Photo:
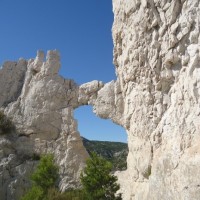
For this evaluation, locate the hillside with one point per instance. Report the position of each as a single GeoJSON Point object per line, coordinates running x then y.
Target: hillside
{"type": "Point", "coordinates": [115, 152]}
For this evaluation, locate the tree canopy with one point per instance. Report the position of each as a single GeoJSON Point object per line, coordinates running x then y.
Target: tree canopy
{"type": "Point", "coordinates": [44, 178]}
{"type": "Point", "coordinates": [97, 180]}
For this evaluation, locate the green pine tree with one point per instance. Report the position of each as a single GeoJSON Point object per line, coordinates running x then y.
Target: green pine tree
{"type": "Point", "coordinates": [97, 180]}
{"type": "Point", "coordinates": [46, 173]}
{"type": "Point", "coordinates": [44, 178]}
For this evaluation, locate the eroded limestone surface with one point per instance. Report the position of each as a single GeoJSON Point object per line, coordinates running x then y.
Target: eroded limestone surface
{"type": "Point", "coordinates": [155, 98]}
{"type": "Point", "coordinates": [157, 59]}
{"type": "Point", "coordinates": [43, 115]}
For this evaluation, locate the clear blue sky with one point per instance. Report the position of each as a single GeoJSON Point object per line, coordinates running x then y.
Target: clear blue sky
{"type": "Point", "coordinates": [80, 30]}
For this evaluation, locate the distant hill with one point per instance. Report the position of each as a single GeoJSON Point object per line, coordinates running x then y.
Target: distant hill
{"type": "Point", "coordinates": [115, 152]}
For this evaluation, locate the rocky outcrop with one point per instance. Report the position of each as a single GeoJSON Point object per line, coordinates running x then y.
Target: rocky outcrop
{"type": "Point", "coordinates": [43, 115]}
{"type": "Point", "coordinates": [12, 77]}
{"type": "Point", "coordinates": [155, 98]}
{"type": "Point", "coordinates": [157, 59]}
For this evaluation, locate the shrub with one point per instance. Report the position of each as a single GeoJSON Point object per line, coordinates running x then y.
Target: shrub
{"type": "Point", "coordinates": [75, 195]}
{"type": "Point", "coordinates": [97, 180]}
{"type": "Point", "coordinates": [44, 178]}
{"type": "Point", "coordinates": [6, 125]}
{"type": "Point", "coordinates": [35, 193]}
{"type": "Point", "coordinates": [46, 173]}
{"type": "Point", "coordinates": [54, 194]}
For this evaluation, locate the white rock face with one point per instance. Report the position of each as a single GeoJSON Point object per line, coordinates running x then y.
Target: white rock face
{"type": "Point", "coordinates": [156, 98]}
{"type": "Point", "coordinates": [12, 77]}
{"type": "Point", "coordinates": [157, 59]}
{"type": "Point", "coordinates": [43, 115]}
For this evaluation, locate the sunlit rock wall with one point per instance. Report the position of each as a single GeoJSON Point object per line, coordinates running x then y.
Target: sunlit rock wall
{"type": "Point", "coordinates": [155, 98]}
{"type": "Point", "coordinates": [157, 59]}
{"type": "Point", "coordinates": [40, 104]}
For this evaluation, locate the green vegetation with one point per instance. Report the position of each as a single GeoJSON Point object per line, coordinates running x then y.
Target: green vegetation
{"type": "Point", "coordinates": [44, 178]}
{"type": "Point", "coordinates": [97, 180]}
{"type": "Point", "coordinates": [55, 194]}
{"type": "Point", "coordinates": [147, 173]}
{"type": "Point", "coordinates": [115, 152]}
{"type": "Point", "coordinates": [46, 173]}
{"type": "Point", "coordinates": [35, 193]}
{"type": "Point", "coordinates": [6, 125]}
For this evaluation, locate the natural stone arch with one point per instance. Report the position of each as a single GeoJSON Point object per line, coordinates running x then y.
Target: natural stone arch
{"type": "Point", "coordinates": [106, 99]}
{"type": "Point", "coordinates": [155, 98]}
{"type": "Point", "coordinates": [92, 127]}
{"type": "Point", "coordinates": [43, 115]}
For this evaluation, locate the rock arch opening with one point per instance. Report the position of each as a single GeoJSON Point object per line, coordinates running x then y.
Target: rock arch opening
{"type": "Point", "coordinates": [94, 128]}
{"type": "Point", "coordinates": [102, 136]}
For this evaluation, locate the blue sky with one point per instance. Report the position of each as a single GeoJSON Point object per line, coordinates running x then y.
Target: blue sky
{"type": "Point", "coordinates": [80, 30]}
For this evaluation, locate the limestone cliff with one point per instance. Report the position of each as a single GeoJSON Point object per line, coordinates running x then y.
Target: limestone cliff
{"type": "Point", "coordinates": [40, 104]}
{"type": "Point", "coordinates": [157, 59]}
{"type": "Point", "coordinates": [156, 98]}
